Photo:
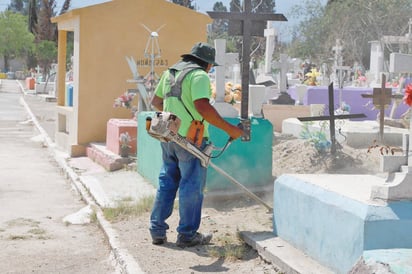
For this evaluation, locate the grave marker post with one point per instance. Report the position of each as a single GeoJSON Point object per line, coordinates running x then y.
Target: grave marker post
{"type": "Point", "coordinates": [381, 99]}
{"type": "Point", "coordinates": [246, 24]}
{"type": "Point", "coordinates": [332, 117]}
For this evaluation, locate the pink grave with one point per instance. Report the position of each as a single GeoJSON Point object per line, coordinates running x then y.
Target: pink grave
{"type": "Point", "coordinates": [115, 127]}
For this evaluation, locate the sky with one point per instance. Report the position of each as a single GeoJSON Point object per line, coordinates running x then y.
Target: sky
{"type": "Point", "coordinates": [204, 5]}
{"type": "Point", "coordinates": [282, 6]}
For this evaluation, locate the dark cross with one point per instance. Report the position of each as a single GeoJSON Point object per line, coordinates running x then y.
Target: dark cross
{"type": "Point", "coordinates": [248, 24]}
{"type": "Point", "coordinates": [381, 99]}
{"type": "Point", "coordinates": [332, 117]}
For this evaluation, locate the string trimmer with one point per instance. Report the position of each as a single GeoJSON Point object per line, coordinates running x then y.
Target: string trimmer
{"type": "Point", "coordinates": [164, 127]}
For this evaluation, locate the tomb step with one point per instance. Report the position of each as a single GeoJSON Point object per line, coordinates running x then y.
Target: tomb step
{"type": "Point", "coordinates": [282, 254]}
{"type": "Point", "coordinates": [48, 98]}
{"type": "Point", "coordinates": [104, 157]}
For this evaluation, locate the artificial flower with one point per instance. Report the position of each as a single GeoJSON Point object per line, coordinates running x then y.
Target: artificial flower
{"type": "Point", "coordinates": [407, 98]}
{"type": "Point", "coordinates": [124, 100]}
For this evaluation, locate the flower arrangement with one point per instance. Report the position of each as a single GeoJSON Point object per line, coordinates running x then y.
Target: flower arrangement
{"type": "Point", "coordinates": [311, 77]}
{"type": "Point", "coordinates": [124, 100]}
{"type": "Point", "coordinates": [316, 138]}
{"type": "Point", "coordinates": [233, 93]}
{"type": "Point", "coordinates": [407, 98]}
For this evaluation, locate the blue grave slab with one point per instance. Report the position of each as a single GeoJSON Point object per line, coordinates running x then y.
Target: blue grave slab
{"type": "Point", "coordinates": [332, 220]}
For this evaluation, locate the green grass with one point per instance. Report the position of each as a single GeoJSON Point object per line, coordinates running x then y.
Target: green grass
{"type": "Point", "coordinates": [126, 209]}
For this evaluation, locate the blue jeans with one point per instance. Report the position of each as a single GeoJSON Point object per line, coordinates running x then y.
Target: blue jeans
{"type": "Point", "coordinates": [180, 171]}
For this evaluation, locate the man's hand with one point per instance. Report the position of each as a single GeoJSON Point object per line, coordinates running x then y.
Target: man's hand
{"type": "Point", "coordinates": [235, 132]}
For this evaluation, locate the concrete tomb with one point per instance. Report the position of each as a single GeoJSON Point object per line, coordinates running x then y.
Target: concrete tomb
{"type": "Point", "coordinates": [346, 222]}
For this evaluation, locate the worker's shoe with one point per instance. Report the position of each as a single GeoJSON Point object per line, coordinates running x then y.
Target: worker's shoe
{"type": "Point", "coordinates": [159, 240]}
{"type": "Point", "coordinates": [198, 239]}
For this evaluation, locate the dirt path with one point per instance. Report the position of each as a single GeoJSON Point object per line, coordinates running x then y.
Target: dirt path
{"type": "Point", "coordinates": [225, 218]}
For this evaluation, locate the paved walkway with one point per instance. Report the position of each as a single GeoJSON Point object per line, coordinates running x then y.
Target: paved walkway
{"type": "Point", "coordinates": [35, 198]}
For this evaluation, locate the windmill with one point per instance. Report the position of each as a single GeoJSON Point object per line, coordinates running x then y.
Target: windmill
{"type": "Point", "coordinates": [152, 51]}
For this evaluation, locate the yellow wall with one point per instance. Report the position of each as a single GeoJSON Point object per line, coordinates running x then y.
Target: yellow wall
{"type": "Point", "coordinates": [111, 31]}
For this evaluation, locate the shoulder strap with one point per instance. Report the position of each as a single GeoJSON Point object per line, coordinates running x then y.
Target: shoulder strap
{"type": "Point", "coordinates": [176, 84]}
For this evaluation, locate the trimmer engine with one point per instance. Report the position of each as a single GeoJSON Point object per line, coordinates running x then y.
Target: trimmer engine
{"type": "Point", "coordinates": [164, 126]}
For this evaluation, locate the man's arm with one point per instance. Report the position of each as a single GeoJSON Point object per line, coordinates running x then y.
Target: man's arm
{"type": "Point", "coordinates": [157, 102]}
{"type": "Point", "coordinates": [210, 114]}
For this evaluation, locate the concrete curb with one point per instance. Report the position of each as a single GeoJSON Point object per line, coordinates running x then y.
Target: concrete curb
{"type": "Point", "coordinates": [124, 261]}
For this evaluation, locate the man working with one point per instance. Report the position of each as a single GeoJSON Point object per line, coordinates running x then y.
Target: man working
{"type": "Point", "coordinates": [185, 90]}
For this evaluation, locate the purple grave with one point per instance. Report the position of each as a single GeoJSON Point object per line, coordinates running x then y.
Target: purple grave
{"type": "Point", "coordinates": [351, 96]}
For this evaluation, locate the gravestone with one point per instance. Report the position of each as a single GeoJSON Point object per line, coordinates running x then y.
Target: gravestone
{"type": "Point", "coordinates": [332, 117]}
{"type": "Point", "coordinates": [224, 109]}
{"type": "Point", "coordinates": [376, 62]}
{"type": "Point", "coordinates": [400, 63]}
{"type": "Point", "coordinates": [264, 76]}
{"type": "Point", "coordinates": [247, 24]}
{"type": "Point", "coordinates": [284, 65]}
{"type": "Point", "coordinates": [381, 99]}
{"type": "Point", "coordinates": [270, 34]}
{"type": "Point", "coordinates": [340, 71]}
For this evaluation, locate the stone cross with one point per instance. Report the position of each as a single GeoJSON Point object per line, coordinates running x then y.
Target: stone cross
{"type": "Point", "coordinates": [376, 60]}
{"type": "Point", "coordinates": [381, 99]}
{"type": "Point", "coordinates": [248, 24]}
{"type": "Point", "coordinates": [270, 34]}
{"type": "Point", "coordinates": [338, 64]}
{"type": "Point", "coordinates": [284, 64]}
{"type": "Point", "coordinates": [332, 117]}
{"type": "Point", "coordinates": [38, 69]}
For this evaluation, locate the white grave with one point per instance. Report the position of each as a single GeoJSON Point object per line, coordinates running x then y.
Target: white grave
{"type": "Point", "coordinates": [224, 109]}
{"type": "Point", "coordinates": [400, 63]}
{"type": "Point", "coordinates": [376, 63]}
{"type": "Point", "coordinates": [265, 74]}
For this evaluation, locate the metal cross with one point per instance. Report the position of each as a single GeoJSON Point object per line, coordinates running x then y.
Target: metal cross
{"type": "Point", "coordinates": [248, 24]}
{"type": "Point", "coordinates": [332, 117]}
{"type": "Point", "coordinates": [381, 99]}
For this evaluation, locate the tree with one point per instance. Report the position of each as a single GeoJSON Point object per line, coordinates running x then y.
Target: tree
{"type": "Point", "coordinates": [184, 3]}
{"type": "Point", "coordinates": [18, 6]}
{"type": "Point", "coordinates": [45, 30]}
{"type": "Point", "coordinates": [15, 39]}
{"type": "Point", "coordinates": [32, 11]}
{"type": "Point", "coordinates": [219, 26]}
{"type": "Point", "coordinates": [355, 23]}
{"type": "Point", "coordinates": [65, 7]}
{"type": "Point", "coordinates": [46, 54]}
